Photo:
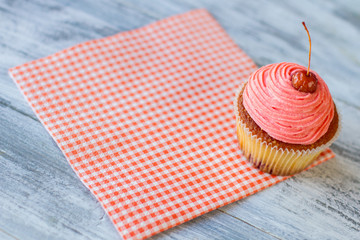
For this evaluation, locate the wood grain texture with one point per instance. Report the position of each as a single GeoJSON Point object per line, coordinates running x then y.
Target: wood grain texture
{"type": "Point", "coordinates": [40, 195]}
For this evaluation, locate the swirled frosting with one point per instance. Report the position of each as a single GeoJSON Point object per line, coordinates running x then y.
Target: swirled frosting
{"type": "Point", "coordinates": [285, 113]}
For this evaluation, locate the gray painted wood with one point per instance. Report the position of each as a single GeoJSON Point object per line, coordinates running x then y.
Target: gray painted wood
{"type": "Point", "coordinates": [322, 203]}
{"type": "Point", "coordinates": [41, 197]}
{"type": "Point", "coordinates": [271, 31]}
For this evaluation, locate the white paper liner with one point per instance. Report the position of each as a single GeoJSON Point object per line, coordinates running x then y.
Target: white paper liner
{"type": "Point", "coordinates": [275, 160]}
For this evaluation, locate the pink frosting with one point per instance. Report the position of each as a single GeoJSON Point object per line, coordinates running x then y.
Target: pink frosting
{"type": "Point", "coordinates": [285, 113]}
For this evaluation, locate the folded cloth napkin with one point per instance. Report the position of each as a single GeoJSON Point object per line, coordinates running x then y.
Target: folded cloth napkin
{"type": "Point", "coordinates": [145, 119]}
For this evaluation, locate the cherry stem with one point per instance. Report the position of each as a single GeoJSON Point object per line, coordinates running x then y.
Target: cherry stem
{"type": "Point", "coordinates": [308, 69]}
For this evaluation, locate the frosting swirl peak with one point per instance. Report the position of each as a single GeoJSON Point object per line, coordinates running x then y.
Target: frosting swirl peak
{"type": "Point", "coordinates": [285, 113]}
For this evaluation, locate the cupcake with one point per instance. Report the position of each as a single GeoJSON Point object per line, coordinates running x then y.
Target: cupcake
{"type": "Point", "coordinates": [285, 117]}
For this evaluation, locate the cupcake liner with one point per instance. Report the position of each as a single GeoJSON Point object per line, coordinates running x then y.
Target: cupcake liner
{"type": "Point", "coordinates": [274, 159]}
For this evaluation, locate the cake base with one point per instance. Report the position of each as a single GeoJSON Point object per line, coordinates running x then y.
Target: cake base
{"type": "Point", "coordinates": [272, 160]}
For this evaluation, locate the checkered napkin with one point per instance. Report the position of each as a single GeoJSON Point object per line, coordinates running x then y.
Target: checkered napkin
{"type": "Point", "coordinates": [145, 119]}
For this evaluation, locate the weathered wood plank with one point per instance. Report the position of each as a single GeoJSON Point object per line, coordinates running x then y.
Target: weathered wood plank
{"type": "Point", "coordinates": [214, 225]}
{"type": "Point", "coordinates": [271, 31]}
{"type": "Point", "coordinates": [25, 36]}
{"type": "Point", "coordinates": [5, 236]}
{"type": "Point", "coordinates": [319, 204]}
{"type": "Point", "coordinates": [51, 203]}
{"type": "Point", "coordinates": [40, 196]}
{"type": "Point", "coordinates": [322, 203]}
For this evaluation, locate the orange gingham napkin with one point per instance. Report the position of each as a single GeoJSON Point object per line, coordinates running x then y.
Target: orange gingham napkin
{"type": "Point", "coordinates": [145, 119]}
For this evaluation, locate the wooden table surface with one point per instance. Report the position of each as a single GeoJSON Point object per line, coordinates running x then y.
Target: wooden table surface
{"type": "Point", "coordinates": [40, 195]}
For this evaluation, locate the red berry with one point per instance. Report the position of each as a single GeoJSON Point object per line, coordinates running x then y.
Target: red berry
{"type": "Point", "coordinates": [304, 82]}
